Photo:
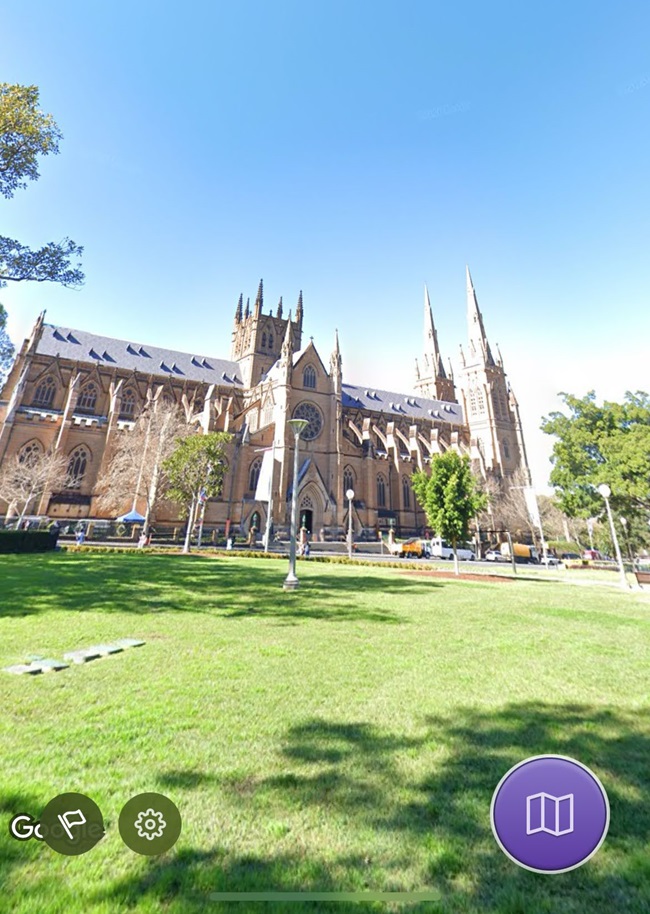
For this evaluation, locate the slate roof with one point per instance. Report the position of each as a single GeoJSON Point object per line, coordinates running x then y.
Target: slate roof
{"type": "Point", "coordinates": [80, 346]}
{"type": "Point", "coordinates": [404, 405]}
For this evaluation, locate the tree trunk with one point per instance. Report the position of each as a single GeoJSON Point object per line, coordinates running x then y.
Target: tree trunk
{"type": "Point", "coordinates": [152, 495]}
{"type": "Point", "coordinates": [190, 525]}
{"type": "Point", "coordinates": [24, 511]}
{"type": "Point", "coordinates": [456, 565]}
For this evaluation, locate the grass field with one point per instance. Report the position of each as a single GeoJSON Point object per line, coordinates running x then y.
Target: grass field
{"type": "Point", "coordinates": [345, 737]}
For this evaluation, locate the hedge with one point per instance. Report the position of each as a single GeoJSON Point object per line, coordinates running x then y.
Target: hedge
{"type": "Point", "coordinates": [235, 554]}
{"type": "Point", "coordinates": [14, 541]}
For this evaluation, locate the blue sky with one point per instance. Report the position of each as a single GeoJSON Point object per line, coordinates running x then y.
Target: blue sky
{"type": "Point", "coordinates": [355, 152]}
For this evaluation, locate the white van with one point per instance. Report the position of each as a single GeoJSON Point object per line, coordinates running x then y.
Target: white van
{"type": "Point", "coordinates": [441, 549]}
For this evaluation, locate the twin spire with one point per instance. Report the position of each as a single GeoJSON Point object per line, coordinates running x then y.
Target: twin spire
{"type": "Point", "coordinates": [479, 347]}
{"type": "Point", "coordinates": [432, 380]}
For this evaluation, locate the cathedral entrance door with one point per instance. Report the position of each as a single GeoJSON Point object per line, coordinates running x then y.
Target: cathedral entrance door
{"type": "Point", "coordinates": [307, 520]}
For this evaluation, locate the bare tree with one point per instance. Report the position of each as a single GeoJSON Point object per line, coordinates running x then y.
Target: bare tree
{"type": "Point", "coordinates": [25, 477]}
{"type": "Point", "coordinates": [134, 467]}
{"type": "Point", "coordinates": [509, 508]}
{"type": "Point", "coordinates": [515, 508]}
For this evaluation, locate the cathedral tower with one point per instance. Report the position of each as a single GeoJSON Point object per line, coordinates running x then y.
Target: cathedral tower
{"type": "Point", "coordinates": [491, 410]}
{"type": "Point", "coordinates": [431, 379]}
{"type": "Point", "coordinates": [257, 337]}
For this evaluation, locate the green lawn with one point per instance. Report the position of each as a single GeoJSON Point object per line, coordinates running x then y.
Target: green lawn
{"type": "Point", "coordinates": [344, 737]}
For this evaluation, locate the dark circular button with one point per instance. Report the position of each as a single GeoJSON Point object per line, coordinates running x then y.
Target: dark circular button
{"type": "Point", "coordinates": [150, 824]}
{"type": "Point", "coordinates": [72, 824]}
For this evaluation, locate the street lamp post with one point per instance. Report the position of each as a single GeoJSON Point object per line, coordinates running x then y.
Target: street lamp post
{"type": "Point", "coordinates": [623, 521]}
{"type": "Point", "coordinates": [349, 495]}
{"type": "Point", "coordinates": [291, 580]}
{"type": "Point", "coordinates": [605, 491]}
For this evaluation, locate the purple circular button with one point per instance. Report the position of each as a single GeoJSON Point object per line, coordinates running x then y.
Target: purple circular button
{"type": "Point", "coordinates": [549, 814]}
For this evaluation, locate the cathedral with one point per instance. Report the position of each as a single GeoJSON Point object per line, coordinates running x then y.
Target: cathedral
{"type": "Point", "coordinates": [71, 391]}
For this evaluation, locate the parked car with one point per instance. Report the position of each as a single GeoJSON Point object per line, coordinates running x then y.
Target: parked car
{"type": "Point", "coordinates": [441, 549]}
{"type": "Point", "coordinates": [592, 555]}
{"type": "Point", "coordinates": [570, 557]}
{"type": "Point", "coordinates": [493, 555]}
{"type": "Point", "coordinates": [550, 560]}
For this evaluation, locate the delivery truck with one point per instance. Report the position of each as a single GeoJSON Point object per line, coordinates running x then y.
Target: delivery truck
{"type": "Point", "coordinates": [522, 552]}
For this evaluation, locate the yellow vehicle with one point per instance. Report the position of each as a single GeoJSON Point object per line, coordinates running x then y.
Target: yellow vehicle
{"type": "Point", "coordinates": [522, 552]}
{"type": "Point", "coordinates": [414, 548]}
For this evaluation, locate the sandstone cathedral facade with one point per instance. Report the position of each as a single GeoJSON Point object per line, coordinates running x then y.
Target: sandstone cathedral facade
{"type": "Point", "coordinates": [72, 391]}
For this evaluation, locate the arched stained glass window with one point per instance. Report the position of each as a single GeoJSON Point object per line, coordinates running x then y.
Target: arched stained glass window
{"type": "Point", "coordinates": [472, 400]}
{"type": "Point", "coordinates": [381, 491]}
{"type": "Point", "coordinates": [45, 391]}
{"type": "Point", "coordinates": [348, 480]}
{"type": "Point", "coordinates": [87, 398]}
{"type": "Point", "coordinates": [254, 474]}
{"type": "Point", "coordinates": [77, 466]}
{"type": "Point", "coordinates": [30, 454]}
{"type": "Point", "coordinates": [406, 491]}
{"type": "Point", "coordinates": [127, 409]}
{"type": "Point", "coordinates": [309, 377]}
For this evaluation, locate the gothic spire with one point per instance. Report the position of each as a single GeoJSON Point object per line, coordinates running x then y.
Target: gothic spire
{"type": "Point", "coordinates": [336, 364]}
{"type": "Point", "coordinates": [248, 308]}
{"type": "Point", "coordinates": [287, 344]}
{"type": "Point", "coordinates": [478, 342]}
{"type": "Point", "coordinates": [336, 361]}
{"type": "Point", "coordinates": [299, 311]}
{"type": "Point", "coordinates": [238, 312]}
{"type": "Point", "coordinates": [259, 301]}
{"type": "Point", "coordinates": [278, 313]}
{"type": "Point", "coordinates": [431, 350]}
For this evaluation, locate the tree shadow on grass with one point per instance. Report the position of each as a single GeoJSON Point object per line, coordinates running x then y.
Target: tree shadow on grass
{"type": "Point", "coordinates": [187, 881]}
{"type": "Point", "coordinates": [28, 856]}
{"type": "Point", "coordinates": [142, 583]}
{"type": "Point", "coordinates": [355, 773]}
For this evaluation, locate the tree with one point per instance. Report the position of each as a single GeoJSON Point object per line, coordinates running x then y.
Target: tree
{"type": "Point", "coordinates": [601, 444]}
{"type": "Point", "coordinates": [25, 134]}
{"type": "Point", "coordinates": [134, 469]}
{"type": "Point", "coordinates": [25, 477]}
{"type": "Point", "coordinates": [6, 347]}
{"type": "Point", "coordinates": [509, 507]}
{"type": "Point", "coordinates": [449, 497]}
{"type": "Point", "coordinates": [195, 471]}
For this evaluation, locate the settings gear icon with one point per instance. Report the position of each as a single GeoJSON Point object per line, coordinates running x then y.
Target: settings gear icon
{"type": "Point", "coordinates": [150, 824]}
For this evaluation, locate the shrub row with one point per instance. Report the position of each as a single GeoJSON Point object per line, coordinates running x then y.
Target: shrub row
{"type": "Point", "coordinates": [233, 553]}
{"type": "Point", "coordinates": [15, 541]}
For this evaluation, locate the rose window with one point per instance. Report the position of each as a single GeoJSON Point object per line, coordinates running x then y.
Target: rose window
{"type": "Point", "coordinates": [314, 420]}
